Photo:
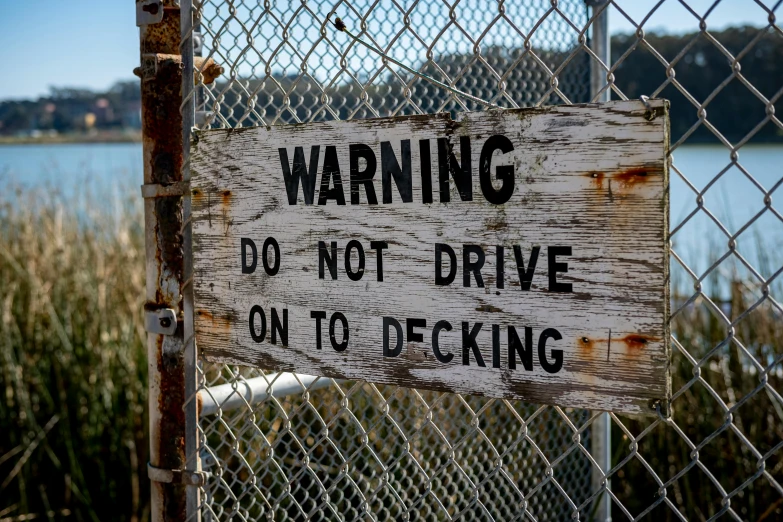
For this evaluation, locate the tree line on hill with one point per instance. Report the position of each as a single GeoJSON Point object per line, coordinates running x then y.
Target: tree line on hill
{"type": "Point", "coordinates": [733, 93]}
{"type": "Point", "coordinates": [704, 72]}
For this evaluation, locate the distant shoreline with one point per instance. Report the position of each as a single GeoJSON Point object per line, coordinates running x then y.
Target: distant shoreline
{"type": "Point", "coordinates": [120, 137]}
{"type": "Point", "coordinates": [135, 137]}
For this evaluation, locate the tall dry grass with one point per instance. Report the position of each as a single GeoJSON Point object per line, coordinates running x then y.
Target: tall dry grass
{"type": "Point", "coordinates": [73, 379]}
{"type": "Point", "coordinates": [724, 437]}
{"type": "Point", "coordinates": [72, 358]}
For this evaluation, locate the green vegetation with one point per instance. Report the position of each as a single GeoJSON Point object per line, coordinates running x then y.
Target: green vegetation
{"type": "Point", "coordinates": [85, 114]}
{"type": "Point", "coordinates": [72, 360]}
{"type": "Point", "coordinates": [726, 376]}
{"type": "Point", "coordinates": [73, 380]}
{"type": "Point", "coordinates": [699, 68]}
{"type": "Point", "coordinates": [110, 136]}
{"type": "Point", "coordinates": [733, 109]}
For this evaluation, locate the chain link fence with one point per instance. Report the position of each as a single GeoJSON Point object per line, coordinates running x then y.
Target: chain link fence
{"type": "Point", "coordinates": [285, 447]}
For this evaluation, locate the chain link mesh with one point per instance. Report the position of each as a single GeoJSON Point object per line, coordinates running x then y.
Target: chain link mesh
{"type": "Point", "coordinates": [353, 450]}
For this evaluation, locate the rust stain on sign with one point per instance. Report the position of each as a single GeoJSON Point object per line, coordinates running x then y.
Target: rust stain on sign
{"type": "Point", "coordinates": [225, 198]}
{"type": "Point", "coordinates": [626, 178]}
{"type": "Point", "coordinates": [632, 177]}
{"type": "Point", "coordinates": [465, 256]}
{"type": "Point", "coordinates": [219, 324]}
{"type": "Point", "coordinates": [638, 342]}
{"type": "Point", "coordinates": [597, 178]}
{"type": "Point", "coordinates": [634, 342]}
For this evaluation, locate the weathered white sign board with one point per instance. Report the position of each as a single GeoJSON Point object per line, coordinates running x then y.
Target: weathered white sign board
{"type": "Point", "coordinates": [518, 254]}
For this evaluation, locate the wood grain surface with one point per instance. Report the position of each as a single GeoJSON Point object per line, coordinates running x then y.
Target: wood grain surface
{"type": "Point", "coordinates": [582, 188]}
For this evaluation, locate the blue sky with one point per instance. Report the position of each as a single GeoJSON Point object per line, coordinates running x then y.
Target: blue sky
{"type": "Point", "coordinates": [92, 44]}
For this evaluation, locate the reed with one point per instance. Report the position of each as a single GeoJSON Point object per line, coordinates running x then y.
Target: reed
{"type": "Point", "coordinates": [727, 375]}
{"type": "Point", "coordinates": [72, 358]}
{"type": "Point", "coordinates": [73, 442]}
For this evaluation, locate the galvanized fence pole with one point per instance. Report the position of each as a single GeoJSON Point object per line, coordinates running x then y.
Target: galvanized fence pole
{"type": "Point", "coordinates": [600, 45]}
{"type": "Point", "coordinates": [601, 439]}
{"type": "Point", "coordinates": [188, 109]}
{"type": "Point", "coordinates": [161, 80]}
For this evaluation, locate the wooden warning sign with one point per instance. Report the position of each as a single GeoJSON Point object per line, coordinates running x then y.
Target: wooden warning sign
{"type": "Point", "coordinates": [517, 254]}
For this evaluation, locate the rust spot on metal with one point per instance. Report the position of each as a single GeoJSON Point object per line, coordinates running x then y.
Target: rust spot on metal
{"type": "Point", "coordinates": [488, 308]}
{"type": "Point", "coordinates": [163, 37]}
{"type": "Point", "coordinates": [208, 68]}
{"type": "Point", "coordinates": [171, 64]}
{"type": "Point", "coordinates": [171, 440]}
{"type": "Point", "coordinates": [633, 176]}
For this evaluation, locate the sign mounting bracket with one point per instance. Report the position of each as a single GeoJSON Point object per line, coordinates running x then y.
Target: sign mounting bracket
{"type": "Point", "coordinates": [148, 12]}
{"type": "Point", "coordinates": [162, 321]}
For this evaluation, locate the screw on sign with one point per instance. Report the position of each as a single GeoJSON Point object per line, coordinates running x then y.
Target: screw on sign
{"type": "Point", "coordinates": [492, 255]}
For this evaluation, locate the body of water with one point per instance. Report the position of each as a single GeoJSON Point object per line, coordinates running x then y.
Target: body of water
{"type": "Point", "coordinates": [731, 201]}
{"type": "Point", "coordinates": [70, 167]}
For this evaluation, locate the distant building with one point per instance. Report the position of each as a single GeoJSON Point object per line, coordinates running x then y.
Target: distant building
{"type": "Point", "coordinates": [104, 113]}
{"type": "Point", "coordinates": [131, 115]}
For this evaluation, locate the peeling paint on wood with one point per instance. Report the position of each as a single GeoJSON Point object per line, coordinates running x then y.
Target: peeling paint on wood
{"type": "Point", "coordinates": [589, 178]}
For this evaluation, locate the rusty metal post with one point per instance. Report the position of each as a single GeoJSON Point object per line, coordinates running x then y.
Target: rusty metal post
{"type": "Point", "coordinates": [161, 80]}
{"type": "Point", "coordinates": [166, 71]}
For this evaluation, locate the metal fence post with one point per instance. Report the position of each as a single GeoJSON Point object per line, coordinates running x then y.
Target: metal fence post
{"type": "Point", "coordinates": [188, 108]}
{"type": "Point", "coordinates": [161, 79]}
{"type": "Point", "coordinates": [601, 439]}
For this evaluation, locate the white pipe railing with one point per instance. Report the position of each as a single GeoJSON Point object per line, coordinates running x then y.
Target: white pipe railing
{"type": "Point", "coordinates": [227, 397]}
